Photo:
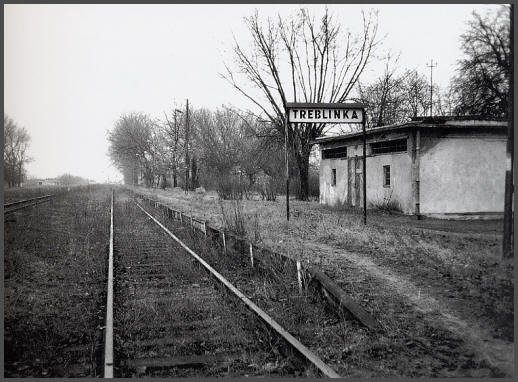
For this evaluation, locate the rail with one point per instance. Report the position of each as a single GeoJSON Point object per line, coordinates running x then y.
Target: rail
{"type": "Point", "coordinates": [332, 292]}
{"type": "Point", "coordinates": [297, 345]}
{"type": "Point", "coordinates": [20, 204]}
{"type": "Point", "coordinates": [108, 343]}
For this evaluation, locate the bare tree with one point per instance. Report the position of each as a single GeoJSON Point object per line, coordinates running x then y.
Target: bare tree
{"type": "Point", "coordinates": [394, 98]}
{"type": "Point", "coordinates": [300, 60]}
{"type": "Point", "coordinates": [482, 84]}
{"type": "Point", "coordinates": [172, 133]}
{"type": "Point", "coordinates": [16, 143]}
{"type": "Point", "coordinates": [218, 134]}
{"type": "Point", "coordinates": [132, 146]}
{"type": "Point", "coordinates": [384, 97]}
{"type": "Point", "coordinates": [416, 94]}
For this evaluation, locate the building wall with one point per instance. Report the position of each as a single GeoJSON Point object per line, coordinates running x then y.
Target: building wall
{"type": "Point", "coordinates": [333, 195]}
{"type": "Point", "coordinates": [462, 175]}
{"type": "Point", "coordinates": [399, 192]}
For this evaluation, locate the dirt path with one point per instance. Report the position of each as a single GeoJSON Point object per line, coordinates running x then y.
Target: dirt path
{"type": "Point", "coordinates": [497, 353]}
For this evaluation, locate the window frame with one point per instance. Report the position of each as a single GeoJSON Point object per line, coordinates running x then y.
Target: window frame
{"type": "Point", "coordinates": [392, 146]}
{"type": "Point", "coordinates": [386, 171]}
{"type": "Point", "coordinates": [333, 177]}
{"type": "Point", "coordinates": [334, 153]}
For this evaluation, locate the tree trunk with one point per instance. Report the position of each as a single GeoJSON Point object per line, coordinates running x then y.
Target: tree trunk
{"type": "Point", "coordinates": [194, 173]}
{"type": "Point", "coordinates": [20, 175]}
{"type": "Point", "coordinates": [164, 181]}
{"type": "Point", "coordinates": [251, 179]}
{"type": "Point", "coordinates": [303, 165]}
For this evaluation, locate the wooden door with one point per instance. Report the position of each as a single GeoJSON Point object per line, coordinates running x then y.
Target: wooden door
{"type": "Point", "coordinates": [350, 177]}
{"type": "Point", "coordinates": [358, 175]}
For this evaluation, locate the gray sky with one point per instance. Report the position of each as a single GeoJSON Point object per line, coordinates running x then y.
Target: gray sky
{"type": "Point", "coordinates": [71, 70]}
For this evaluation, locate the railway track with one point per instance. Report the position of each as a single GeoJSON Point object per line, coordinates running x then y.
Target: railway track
{"type": "Point", "coordinates": [173, 315]}
{"type": "Point", "coordinates": [21, 204]}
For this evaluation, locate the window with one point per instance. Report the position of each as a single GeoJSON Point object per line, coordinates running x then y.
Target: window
{"type": "Point", "coordinates": [338, 152]}
{"type": "Point", "coordinates": [386, 176]}
{"type": "Point", "coordinates": [395, 146]}
{"type": "Point", "coordinates": [333, 177]}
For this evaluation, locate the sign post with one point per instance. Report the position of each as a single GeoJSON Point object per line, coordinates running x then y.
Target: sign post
{"type": "Point", "coordinates": [326, 113]}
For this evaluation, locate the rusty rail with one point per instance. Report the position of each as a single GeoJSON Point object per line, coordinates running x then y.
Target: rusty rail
{"type": "Point", "coordinates": [332, 292]}
{"type": "Point", "coordinates": [325, 369]}
{"type": "Point", "coordinates": [20, 204]}
{"type": "Point", "coordinates": [108, 339]}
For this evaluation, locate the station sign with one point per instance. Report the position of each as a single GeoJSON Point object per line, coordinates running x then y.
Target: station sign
{"type": "Point", "coordinates": [325, 112]}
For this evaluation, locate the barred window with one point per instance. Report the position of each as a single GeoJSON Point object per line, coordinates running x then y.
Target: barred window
{"type": "Point", "coordinates": [333, 177]}
{"type": "Point", "coordinates": [395, 146]}
{"type": "Point", "coordinates": [338, 152]}
{"type": "Point", "coordinates": [386, 176]}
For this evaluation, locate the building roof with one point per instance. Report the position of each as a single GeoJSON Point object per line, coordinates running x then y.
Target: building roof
{"type": "Point", "coordinates": [443, 122]}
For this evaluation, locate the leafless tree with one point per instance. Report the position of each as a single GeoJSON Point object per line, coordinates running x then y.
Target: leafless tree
{"type": "Point", "coordinates": [482, 84]}
{"type": "Point", "coordinates": [132, 147]}
{"type": "Point", "coordinates": [383, 98]}
{"type": "Point", "coordinates": [416, 93]}
{"type": "Point", "coordinates": [172, 133]}
{"type": "Point", "coordinates": [300, 60]}
{"type": "Point", "coordinates": [397, 98]}
{"type": "Point", "coordinates": [16, 143]}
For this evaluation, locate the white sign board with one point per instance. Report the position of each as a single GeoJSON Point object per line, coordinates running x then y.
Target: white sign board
{"type": "Point", "coordinates": [325, 114]}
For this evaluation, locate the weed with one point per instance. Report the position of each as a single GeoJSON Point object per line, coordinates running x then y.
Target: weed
{"type": "Point", "coordinates": [233, 217]}
{"type": "Point", "coordinates": [387, 204]}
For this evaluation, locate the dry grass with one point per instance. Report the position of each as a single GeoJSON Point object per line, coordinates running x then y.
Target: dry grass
{"type": "Point", "coordinates": [464, 271]}
{"type": "Point", "coordinates": [54, 270]}
{"type": "Point", "coordinates": [410, 346]}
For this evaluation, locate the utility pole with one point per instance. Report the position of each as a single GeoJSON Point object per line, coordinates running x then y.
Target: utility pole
{"type": "Point", "coordinates": [508, 244]}
{"type": "Point", "coordinates": [176, 138]}
{"type": "Point", "coordinates": [431, 66]}
{"type": "Point", "coordinates": [287, 166]}
{"type": "Point", "coordinates": [364, 172]}
{"type": "Point", "coordinates": [187, 147]}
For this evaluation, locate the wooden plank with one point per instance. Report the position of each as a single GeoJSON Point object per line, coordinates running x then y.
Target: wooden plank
{"type": "Point", "coordinates": [183, 325]}
{"type": "Point", "coordinates": [179, 340]}
{"type": "Point", "coordinates": [148, 265]}
{"type": "Point", "coordinates": [195, 361]}
{"type": "Point", "coordinates": [343, 300]}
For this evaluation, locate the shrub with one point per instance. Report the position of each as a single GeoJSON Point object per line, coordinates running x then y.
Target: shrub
{"type": "Point", "coordinates": [267, 188]}
{"type": "Point", "coordinates": [233, 217]}
{"type": "Point", "coordinates": [229, 187]}
{"type": "Point", "coordinates": [387, 204]}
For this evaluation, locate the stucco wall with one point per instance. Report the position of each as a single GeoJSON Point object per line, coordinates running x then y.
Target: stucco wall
{"type": "Point", "coordinates": [462, 175]}
{"type": "Point", "coordinates": [400, 190]}
{"type": "Point", "coordinates": [333, 195]}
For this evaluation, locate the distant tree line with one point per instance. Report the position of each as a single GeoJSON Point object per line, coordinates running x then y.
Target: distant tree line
{"type": "Point", "coordinates": [16, 143]}
{"type": "Point", "coordinates": [302, 59]}
{"type": "Point", "coordinates": [71, 180]}
{"type": "Point", "coordinates": [226, 151]}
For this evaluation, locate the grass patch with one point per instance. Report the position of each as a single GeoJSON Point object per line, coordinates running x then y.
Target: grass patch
{"type": "Point", "coordinates": [54, 281]}
{"type": "Point", "coordinates": [465, 271]}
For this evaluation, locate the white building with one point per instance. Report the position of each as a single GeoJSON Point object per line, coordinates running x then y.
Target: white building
{"type": "Point", "coordinates": [442, 166]}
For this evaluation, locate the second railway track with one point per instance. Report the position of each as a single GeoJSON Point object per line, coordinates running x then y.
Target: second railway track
{"type": "Point", "coordinates": [21, 204]}
{"type": "Point", "coordinates": [170, 320]}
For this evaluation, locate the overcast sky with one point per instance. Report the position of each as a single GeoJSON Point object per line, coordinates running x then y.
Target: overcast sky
{"type": "Point", "coordinates": [71, 70]}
